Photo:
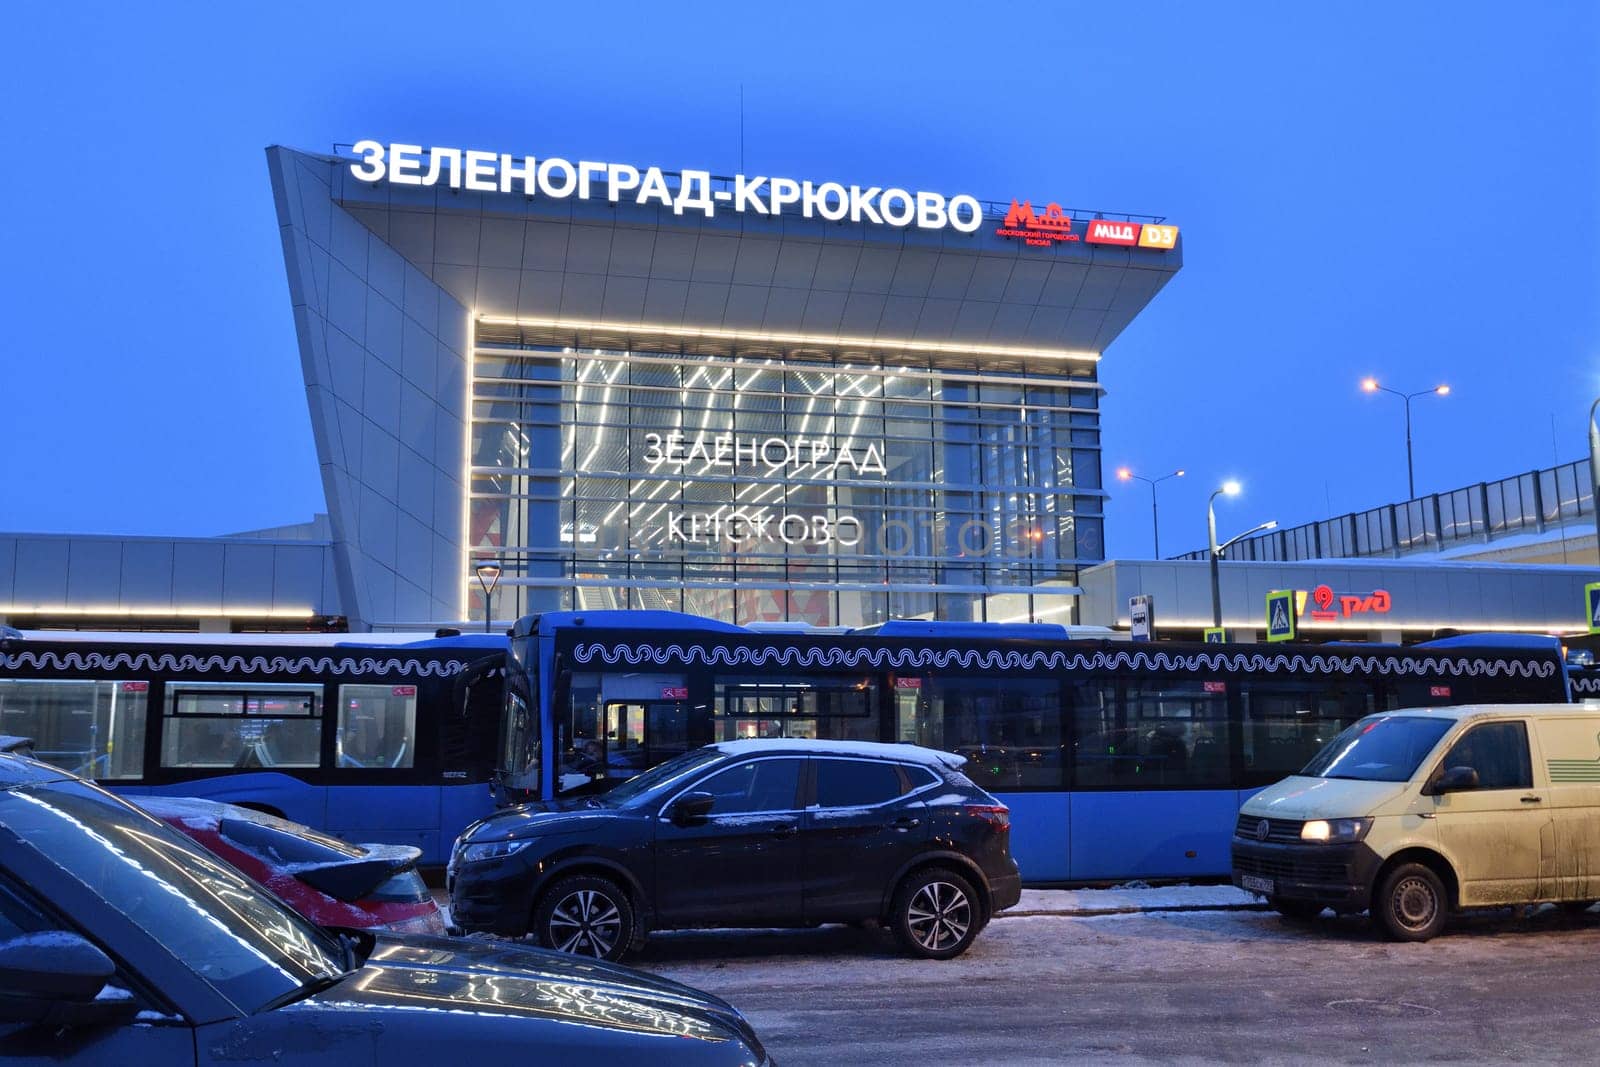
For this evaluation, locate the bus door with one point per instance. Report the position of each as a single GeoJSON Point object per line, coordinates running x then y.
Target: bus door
{"type": "Point", "coordinates": [617, 725]}
{"type": "Point", "coordinates": [641, 734]}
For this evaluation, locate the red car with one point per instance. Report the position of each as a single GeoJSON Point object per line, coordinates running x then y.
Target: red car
{"type": "Point", "coordinates": [329, 881]}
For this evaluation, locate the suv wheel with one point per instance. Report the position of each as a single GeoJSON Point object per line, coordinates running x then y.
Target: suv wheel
{"type": "Point", "coordinates": [1411, 904]}
{"type": "Point", "coordinates": [586, 916]}
{"type": "Point", "coordinates": [937, 914]}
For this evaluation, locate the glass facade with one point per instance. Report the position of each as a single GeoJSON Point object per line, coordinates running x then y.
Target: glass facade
{"type": "Point", "coordinates": [817, 487]}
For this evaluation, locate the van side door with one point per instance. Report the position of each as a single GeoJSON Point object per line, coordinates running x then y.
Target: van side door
{"type": "Point", "coordinates": [1569, 756]}
{"type": "Point", "coordinates": [1498, 833]}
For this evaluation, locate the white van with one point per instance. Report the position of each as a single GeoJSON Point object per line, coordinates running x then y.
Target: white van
{"type": "Point", "coordinates": [1416, 814]}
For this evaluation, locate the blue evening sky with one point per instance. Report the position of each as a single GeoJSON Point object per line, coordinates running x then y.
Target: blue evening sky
{"type": "Point", "coordinates": [1408, 190]}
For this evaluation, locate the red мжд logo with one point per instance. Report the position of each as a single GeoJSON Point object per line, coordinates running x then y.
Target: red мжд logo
{"type": "Point", "coordinates": [1039, 230]}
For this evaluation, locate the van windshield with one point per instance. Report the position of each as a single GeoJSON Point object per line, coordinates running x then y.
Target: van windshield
{"type": "Point", "coordinates": [1379, 748]}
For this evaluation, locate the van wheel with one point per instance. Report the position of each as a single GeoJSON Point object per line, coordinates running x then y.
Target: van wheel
{"type": "Point", "coordinates": [586, 916]}
{"type": "Point", "coordinates": [1296, 910]}
{"type": "Point", "coordinates": [936, 914]}
{"type": "Point", "coordinates": [1411, 904]}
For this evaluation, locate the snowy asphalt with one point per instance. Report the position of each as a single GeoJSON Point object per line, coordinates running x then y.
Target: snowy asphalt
{"type": "Point", "coordinates": [1235, 984]}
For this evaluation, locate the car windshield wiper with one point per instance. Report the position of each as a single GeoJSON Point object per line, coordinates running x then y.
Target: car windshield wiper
{"type": "Point", "coordinates": [310, 989]}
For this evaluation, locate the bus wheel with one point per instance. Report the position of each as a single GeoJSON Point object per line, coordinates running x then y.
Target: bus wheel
{"type": "Point", "coordinates": [1411, 903]}
{"type": "Point", "coordinates": [586, 916]}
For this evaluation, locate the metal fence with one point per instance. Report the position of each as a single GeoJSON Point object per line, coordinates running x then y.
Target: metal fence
{"type": "Point", "coordinates": [1476, 514]}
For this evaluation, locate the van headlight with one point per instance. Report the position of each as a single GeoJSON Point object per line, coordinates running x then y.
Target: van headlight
{"type": "Point", "coordinates": [1335, 831]}
{"type": "Point", "coordinates": [491, 850]}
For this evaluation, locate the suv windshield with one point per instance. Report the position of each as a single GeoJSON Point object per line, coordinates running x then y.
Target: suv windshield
{"type": "Point", "coordinates": [229, 930]}
{"type": "Point", "coordinates": [661, 778]}
{"type": "Point", "coordinates": [1379, 748]}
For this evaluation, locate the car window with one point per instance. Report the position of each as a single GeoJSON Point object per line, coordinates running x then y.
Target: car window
{"type": "Point", "coordinates": [18, 917]}
{"type": "Point", "coordinates": [242, 940]}
{"type": "Point", "coordinates": [1498, 751]}
{"type": "Point", "coordinates": [1379, 748]}
{"type": "Point", "coordinates": [759, 785]}
{"type": "Point", "coordinates": [852, 783]}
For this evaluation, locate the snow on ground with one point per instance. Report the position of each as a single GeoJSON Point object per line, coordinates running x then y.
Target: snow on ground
{"type": "Point", "coordinates": [1130, 897]}
{"type": "Point", "coordinates": [1133, 896]}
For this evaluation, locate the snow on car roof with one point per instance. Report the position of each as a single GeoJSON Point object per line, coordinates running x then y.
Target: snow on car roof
{"type": "Point", "coordinates": [873, 749]}
{"type": "Point", "coordinates": [1467, 711]}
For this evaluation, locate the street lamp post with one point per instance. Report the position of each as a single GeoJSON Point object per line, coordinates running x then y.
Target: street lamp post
{"type": "Point", "coordinates": [1155, 520]}
{"type": "Point", "coordinates": [1594, 469]}
{"type": "Point", "coordinates": [1228, 488]}
{"type": "Point", "coordinates": [1371, 385]}
{"type": "Point", "coordinates": [488, 577]}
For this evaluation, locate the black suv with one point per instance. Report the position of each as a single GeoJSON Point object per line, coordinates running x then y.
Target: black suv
{"type": "Point", "coordinates": [748, 833]}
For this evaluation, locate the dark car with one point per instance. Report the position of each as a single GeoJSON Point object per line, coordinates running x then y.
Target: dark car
{"type": "Point", "coordinates": [748, 833]}
{"type": "Point", "coordinates": [123, 941]}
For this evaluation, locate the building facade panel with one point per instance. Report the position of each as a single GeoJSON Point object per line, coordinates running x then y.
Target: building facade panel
{"type": "Point", "coordinates": [367, 320]}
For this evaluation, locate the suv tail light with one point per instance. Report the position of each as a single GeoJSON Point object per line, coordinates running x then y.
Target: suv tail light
{"type": "Point", "coordinates": [997, 815]}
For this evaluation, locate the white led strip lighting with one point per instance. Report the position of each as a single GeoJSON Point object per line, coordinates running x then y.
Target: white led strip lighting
{"type": "Point", "coordinates": [811, 340]}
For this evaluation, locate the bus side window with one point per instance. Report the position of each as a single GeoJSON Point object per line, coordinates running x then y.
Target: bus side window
{"type": "Point", "coordinates": [377, 725]}
{"type": "Point", "coordinates": [242, 725]}
{"type": "Point", "coordinates": [94, 729]}
{"type": "Point", "coordinates": [1287, 722]}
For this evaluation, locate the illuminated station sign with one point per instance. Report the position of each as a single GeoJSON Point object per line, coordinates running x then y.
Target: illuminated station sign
{"type": "Point", "coordinates": [1054, 226]}
{"type": "Point", "coordinates": [687, 191]}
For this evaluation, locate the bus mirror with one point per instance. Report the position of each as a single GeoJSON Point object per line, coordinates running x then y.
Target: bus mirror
{"type": "Point", "coordinates": [691, 806]}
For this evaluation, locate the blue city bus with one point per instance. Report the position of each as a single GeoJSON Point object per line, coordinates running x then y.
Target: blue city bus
{"type": "Point", "coordinates": [1584, 677]}
{"type": "Point", "coordinates": [1118, 760]}
{"type": "Point", "coordinates": [376, 738]}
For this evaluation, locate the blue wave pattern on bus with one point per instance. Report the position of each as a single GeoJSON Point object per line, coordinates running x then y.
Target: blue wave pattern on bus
{"type": "Point", "coordinates": [144, 661]}
{"type": "Point", "coordinates": [991, 659]}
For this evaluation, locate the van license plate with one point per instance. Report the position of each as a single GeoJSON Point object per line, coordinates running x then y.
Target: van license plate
{"type": "Point", "coordinates": [1256, 885]}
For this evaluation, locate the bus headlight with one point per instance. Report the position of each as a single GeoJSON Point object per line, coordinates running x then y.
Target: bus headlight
{"type": "Point", "coordinates": [491, 850]}
{"type": "Point", "coordinates": [1335, 831]}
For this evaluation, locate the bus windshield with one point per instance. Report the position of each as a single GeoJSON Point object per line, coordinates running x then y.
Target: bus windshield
{"type": "Point", "coordinates": [520, 728]}
{"type": "Point", "coordinates": [1379, 748]}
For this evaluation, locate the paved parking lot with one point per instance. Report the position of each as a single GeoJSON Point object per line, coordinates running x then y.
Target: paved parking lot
{"type": "Point", "coordinates": [1203, 985]}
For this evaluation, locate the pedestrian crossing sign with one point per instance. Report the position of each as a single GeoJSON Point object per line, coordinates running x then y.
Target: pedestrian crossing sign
{"type": "Point", "coordinates": [1280, 615]}
{"type": "Point", "coordinates": [1216, 635]}
{"type": "Point", "coordinates": [1591, 600]}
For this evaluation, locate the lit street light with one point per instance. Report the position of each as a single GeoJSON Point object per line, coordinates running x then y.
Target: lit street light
{"type": "Point", "coordinates": [1155, 521]}
{"type": "Point", "coordinates": [1228, 488]}
{"type": "Point", "coordinates": [488, 577]}
{"type": "Point", "coordinates": [1371, 385]}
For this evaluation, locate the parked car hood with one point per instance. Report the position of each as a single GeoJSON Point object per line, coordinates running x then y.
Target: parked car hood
{"type": "Point", "coordinates": [534, 819]}
{"type": "Point", "coordinates": [1301, 797]}
{"type": "Point", "coordinates": [493, 978]}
